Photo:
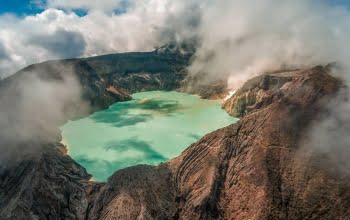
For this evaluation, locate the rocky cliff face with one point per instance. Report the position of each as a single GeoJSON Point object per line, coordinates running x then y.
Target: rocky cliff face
{"type": "Point", "coordinates": [255, 91]}
{"type": "Point", "coordinates": [49, 185]}
{"type": "Point", "coordinates": [258, 168]}
{"type": "Point", "coordinates": [37, 178]}
{"type": "Point", "coordinates": [129, 72]}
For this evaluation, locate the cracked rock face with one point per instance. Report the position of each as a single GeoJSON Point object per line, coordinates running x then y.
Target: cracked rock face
{"type": "Point", "coordinates": [50, 186]}
{"type": "Point", "coordinates": [257, 168]}
{"type": "Point", "coordinates": [126, 72]}
{"type": "Point", "coordinates": [255, 91]}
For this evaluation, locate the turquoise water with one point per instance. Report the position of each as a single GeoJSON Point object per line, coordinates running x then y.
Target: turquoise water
{"type": "Point", "coordinates": [152, 128]}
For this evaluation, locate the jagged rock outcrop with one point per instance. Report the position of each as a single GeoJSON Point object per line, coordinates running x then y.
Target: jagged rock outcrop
{"type": "Point", "coordinates": [49, 185]}
{"type": "Point", "coordinates": [258, 168]}
{"type": "Point", "coordinates": [206, 89]}
{"type": "Point", "coordinates": [131, 72]}
{"type": "Point", "coordinates": [255, 90]}
{"type": "Point", "coordinates": [140, 192]}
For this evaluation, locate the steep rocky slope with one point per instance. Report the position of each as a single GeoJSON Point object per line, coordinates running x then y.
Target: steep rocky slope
{"type": "Point", "coordinates": [258, 168]}
{"type": "Point", "coordinates": [262, 167]}
{"type": "Point", "coordinates": [255, 90]}
{"type": "Point", "coordinates": [161, 69]}
{"type": "Point", "coordinates": [37, 179]}
{"type": "Point", "coordinates": [49, 185]}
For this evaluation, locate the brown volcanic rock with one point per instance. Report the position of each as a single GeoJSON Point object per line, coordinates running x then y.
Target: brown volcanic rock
{"type": "Point", "coordinates": [269, 175]}
{"type": "Point", "coordinates": [140, 192]}
{"type": "Point", "coordinates": [258, 168]}
{"type": "Point", "coordinates": [255, 90]}
{"type": "Point", "coordinates": [119, 93]}
{"type": "Point", "coordinates": [48, 186]}
{"type": "Point", "coordinates": [38, 181]}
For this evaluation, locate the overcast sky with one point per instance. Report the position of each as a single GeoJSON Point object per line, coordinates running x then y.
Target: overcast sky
{"type": "Point", "coordinates": [38, 30]}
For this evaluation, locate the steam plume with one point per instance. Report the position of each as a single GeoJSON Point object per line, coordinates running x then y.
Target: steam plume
{"type": "Point", "coordinates": [32, 109]}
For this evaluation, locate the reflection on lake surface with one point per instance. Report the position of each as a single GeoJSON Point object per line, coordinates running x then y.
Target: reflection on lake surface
{"type": "Point", "coordinates": [152, 128]}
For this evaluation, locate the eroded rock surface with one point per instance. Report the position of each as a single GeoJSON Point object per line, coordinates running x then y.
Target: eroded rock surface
{"type": "Point", "coordinates": [258, 168]}
{"type": "Point", "coordinates": [129, 72]}
{"type": "Point", "coordinates": [255, 91]}
{"type": "Point", "coordinates": [38, 179]}
{"type": "Point", "coordinates": [49, 185]}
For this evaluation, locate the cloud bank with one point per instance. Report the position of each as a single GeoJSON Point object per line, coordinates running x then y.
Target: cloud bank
{"type": "Point", "coordinates": [244, 38]}
{"type": "Point", "coordinates": [32, 109]}
{"type": "Point", "coordinates": [328, 136]}
{"type": "Point", "coordinates": [236, 38]}
{"type": "Point", "coordinates": [106, 5]}
{"type": "Point", "coordinates": [56, 33]}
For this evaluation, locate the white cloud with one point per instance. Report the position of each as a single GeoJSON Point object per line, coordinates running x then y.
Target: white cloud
{"type": "Point", "coordinates": [16, 33]}
{"type": "Point", "coordinates": [33, 38]}
{"type": "Point", "coordinates": [147, 23]}
{"type": "Point", "coordinates": [106, 5]}
{"type": "Point", "coordinates": [235, 37]}
{"type": "Point", "coordinates": [244, 38]}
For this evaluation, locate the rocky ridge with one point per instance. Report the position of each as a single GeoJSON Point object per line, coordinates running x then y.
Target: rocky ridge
{"type": "Point", "coordinates": [129, 72]}
{"type": "Point", "coordinates": [255, 91]}
{"type": "Point", "coordinates": [38, 180]}
{"type": "Point", "coordinates": [257, 168]}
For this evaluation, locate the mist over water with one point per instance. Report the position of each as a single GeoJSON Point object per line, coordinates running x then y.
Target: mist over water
{"type": "Point", "coordinates": [152, 128]}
